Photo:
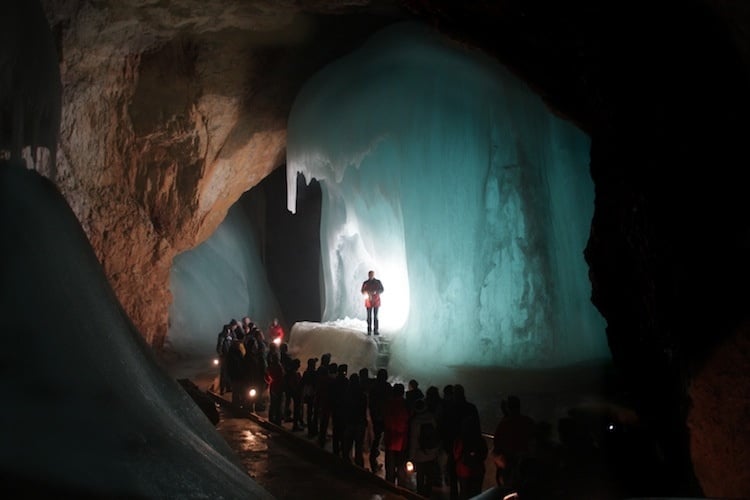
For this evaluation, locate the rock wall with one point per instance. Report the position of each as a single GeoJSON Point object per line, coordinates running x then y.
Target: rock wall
{"type": "Point", "coordinates": [170, 113]}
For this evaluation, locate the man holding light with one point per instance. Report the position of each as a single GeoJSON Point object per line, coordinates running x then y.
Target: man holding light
{"type": "Point", "coordinates": [371, 290]}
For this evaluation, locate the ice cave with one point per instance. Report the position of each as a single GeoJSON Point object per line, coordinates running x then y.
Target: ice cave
{"type": "Point", "coordinates": [553, 195]}
{"type": "Point", "coordinates": [447, 175]}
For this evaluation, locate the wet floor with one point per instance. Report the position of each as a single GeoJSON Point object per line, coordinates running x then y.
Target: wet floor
{"type": "Point", "coordinates": [290, 465]}
{"type": "Point", "coordinates": [286, 471]}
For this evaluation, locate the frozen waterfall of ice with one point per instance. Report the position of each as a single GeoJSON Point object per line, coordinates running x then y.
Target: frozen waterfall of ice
{"type": "Point", "coordinates": [446, 175]}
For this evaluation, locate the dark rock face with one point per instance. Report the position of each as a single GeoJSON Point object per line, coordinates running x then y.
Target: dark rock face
{"type": "Point", "coordinates": [661, 87]}
{"type": "Point", "coordinates": [170, 113]}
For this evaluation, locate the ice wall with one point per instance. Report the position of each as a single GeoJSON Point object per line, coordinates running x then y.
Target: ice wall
{"type": "Point", "coordinates": [88, 413]}
{"type": "Point", "coordinates": [447, 176]}
{"type": "Point", "coordinates": [221, 279]}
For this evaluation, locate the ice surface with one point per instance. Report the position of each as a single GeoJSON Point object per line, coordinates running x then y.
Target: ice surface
{"type": "Point", "coordinates": [221, 279]}
{"type": "Point", "coordinates": [447, 176]}
{"type": "Point", "coordinates": [87, 412]}
{"type": "Point", "coordinates": [342, 339]}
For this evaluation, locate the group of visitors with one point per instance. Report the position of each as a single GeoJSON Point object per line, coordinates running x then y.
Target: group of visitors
{"type": "Point", "coordinates": [439, 435]}
{"type": "Point", "coordinates": [244, 356]}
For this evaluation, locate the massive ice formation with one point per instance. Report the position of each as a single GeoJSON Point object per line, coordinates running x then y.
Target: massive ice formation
{"type": "Point", "coordinates": [446, 175]}
{"type": "Point", "coordinates": [88, 413]}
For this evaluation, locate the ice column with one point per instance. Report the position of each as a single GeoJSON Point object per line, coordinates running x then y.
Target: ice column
{"type": "Point", "coordinates": [446, 175]}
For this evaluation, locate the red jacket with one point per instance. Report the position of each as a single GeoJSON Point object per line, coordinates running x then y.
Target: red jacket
{"type": "Point", "coordinates": [275, 331]}
{"type": "Point", "coordinates": [396, 433]}
{"type": "Point", "coordinates": [372, 288]}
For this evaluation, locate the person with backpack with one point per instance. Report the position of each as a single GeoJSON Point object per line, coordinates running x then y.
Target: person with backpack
{"type": "Point", "coordinates": [424, 447]}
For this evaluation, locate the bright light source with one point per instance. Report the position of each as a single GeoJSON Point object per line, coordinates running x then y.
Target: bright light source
{"type": "Point", "coordinates": [511, 496]}
{"type": "Point", "coordinates": [252, 393]}
{"type": "Point", "coordinates": [277, 341]}
{"type": "Point", "coordinates": [216, 362]}
{"type": "Point", "coordinates": [409, 467]}
{"type": "Point", "coordinates": [611, 427]}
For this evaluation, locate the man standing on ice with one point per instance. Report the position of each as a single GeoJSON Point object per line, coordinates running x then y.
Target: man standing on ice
{"type": "Point", "coordinates": [371, 290]}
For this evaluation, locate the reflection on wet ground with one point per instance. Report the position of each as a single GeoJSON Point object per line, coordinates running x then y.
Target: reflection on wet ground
{"type": "Point", "coordinates": [290, 465]}
{"type": "Point", "coordinates": [550, 396]}
{"type": "Point", "coordinates": [278, 465]}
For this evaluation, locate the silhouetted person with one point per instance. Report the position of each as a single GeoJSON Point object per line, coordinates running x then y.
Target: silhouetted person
{"type": "Point", "coordinates": [293, 383]}
{"type": "Point", "coordinates": [413, 393]}
{"type": "Point", "coordinates": [326, 375]}
{"type": "Point", "coordinates": [395, 436]}
{"type": "Point", "coordinates": [460, 410]}
{"type": "Point", "coordinates": [513, 436]}
{"type": "Point", "coordinates": [433, 400]}
{"type": "Point", "coordinates": [371, 289]}
{"type": "Point", "coordinates": [355, 420]}
{"type": "Point", "coordinates": [470, 453]}
{"type": "Point", "coordinates": [275, 379]}
{"type": "Point", "coordinates": [380, 392]}
{"type": "Point", "coordinates": [339, 395]}
{"type": "Point", "coordinates": [287, 362]}
{"type": "Point", "coordinates": [235, 369]}
{"type": "Point", "coordinates": [223, 343]}
{"type": "Point", "coordinates": [424, 446]}
{"type": "Point", "coordinates": [258, 352]}
{"type": "Point", "coordinates": [308, 382]}
{"type": "Point", "coordinates": [449, 426]}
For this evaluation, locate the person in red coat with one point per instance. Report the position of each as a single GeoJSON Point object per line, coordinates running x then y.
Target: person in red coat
{"type": "Point", "coordinates": [275, 331]}
{"type": "Point", "coordinates": [371, 289]}
{"type": "Point", "coordinates": [396, 435]}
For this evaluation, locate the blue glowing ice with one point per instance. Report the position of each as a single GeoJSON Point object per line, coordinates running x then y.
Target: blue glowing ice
{"type": "Point", "coordinates": [446, 175]}
{"type": "Point", "coordinates": [221, 279]}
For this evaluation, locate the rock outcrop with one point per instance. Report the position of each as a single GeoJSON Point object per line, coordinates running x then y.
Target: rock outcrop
{"type": "Point", "coordinates": [170, 113]}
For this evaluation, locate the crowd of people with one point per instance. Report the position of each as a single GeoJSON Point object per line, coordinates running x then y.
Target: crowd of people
{"type": "Point", "coordinates": [361, 416]}
{"type": "Point", "coordinates": [437, 434]}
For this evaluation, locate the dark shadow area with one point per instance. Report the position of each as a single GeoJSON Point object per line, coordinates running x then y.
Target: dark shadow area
{"type": "Point", "coordinates": [290, 243]}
